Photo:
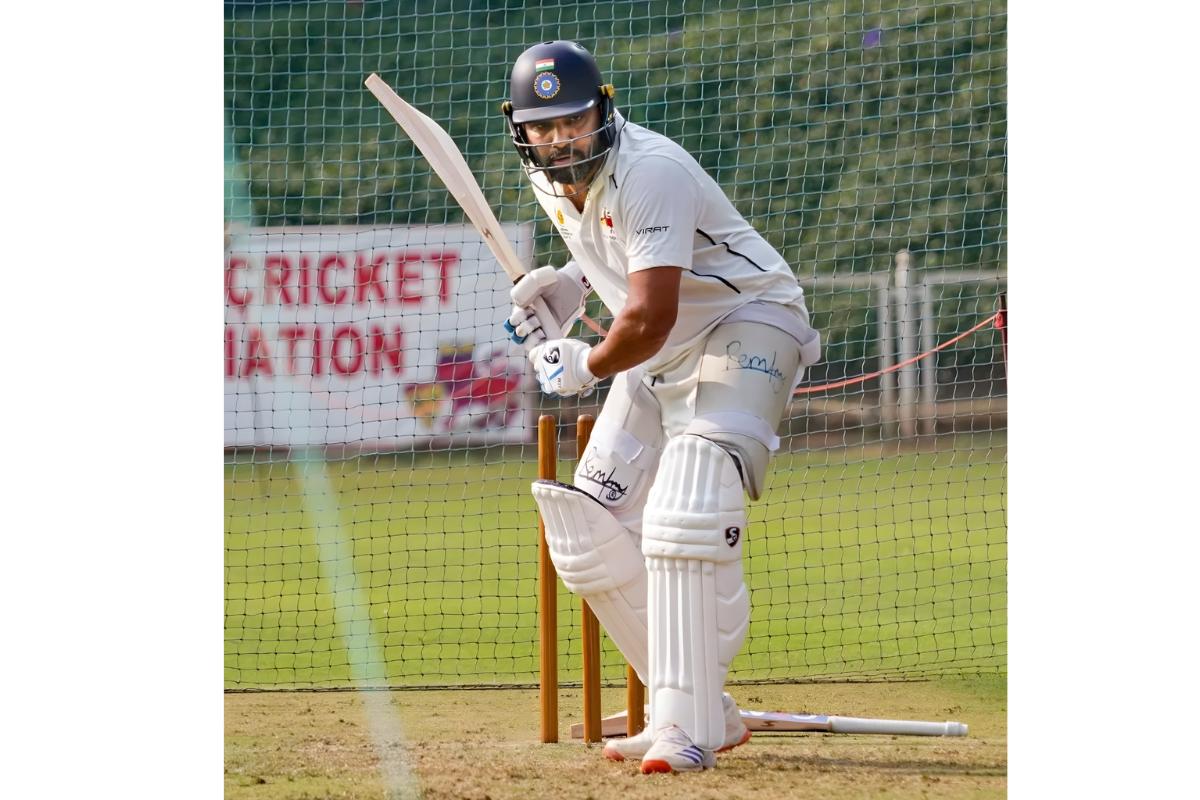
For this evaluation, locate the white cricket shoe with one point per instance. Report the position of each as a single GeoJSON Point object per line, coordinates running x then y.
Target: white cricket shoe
{"type": "Point", "coordinates": [674, 751]}
{"type": "Point", "coordinates": [736, 733]}
{"type": "Point", "coordinates": [628, 746]}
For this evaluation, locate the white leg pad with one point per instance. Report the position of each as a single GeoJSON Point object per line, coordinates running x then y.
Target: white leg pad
{"type": "Point", "coordinates": [699, 608]}
{"type": "Point", "coordinates": [597, 559]}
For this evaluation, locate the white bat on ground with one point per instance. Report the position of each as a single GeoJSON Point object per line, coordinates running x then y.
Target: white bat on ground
{"type": "Point", "coordinates": [614, 725]}
{"type": "Point", "coordinates": [448, 162]}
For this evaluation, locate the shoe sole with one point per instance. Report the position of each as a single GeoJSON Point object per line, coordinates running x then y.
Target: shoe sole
{"type": "Point", "coordinates": [614, 755]}
{"type": "Point", "coordinates": [745, 738]}
{"type": "Point", "coordinates": [657, 765]}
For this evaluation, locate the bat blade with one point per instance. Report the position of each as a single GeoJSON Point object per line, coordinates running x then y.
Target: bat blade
{"type": "Point", "coordinates": [448, 162]}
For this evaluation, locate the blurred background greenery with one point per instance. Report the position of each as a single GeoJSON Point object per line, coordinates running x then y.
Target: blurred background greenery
{"type": "Point", "coordinates": [844, 131]}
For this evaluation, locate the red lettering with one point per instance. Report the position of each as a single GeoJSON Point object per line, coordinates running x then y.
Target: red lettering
{"type": "Point", "coordinates": [305, 280]}
{"type": "Point", "coordinates": [289, 334]}
{"type": "Point", "coordinates": [445, 262]}
{"type": "Point", "coordinates": [405, 274]}
{"type": "Point", "coordinates": [275, 282]}
{"type": "Point", "coordinates": [328, 263]}
{"type": "Point", "coordinates": [230, 359]}
{"type": "Point", "coordinates": [318, 351]}
{"type": "Point", "coordinates": [389, 347]}
{"type": "Point", "coordinates": [258, 359]}
{"type": "Point", "coordinates": [346, 333]}
{"type": "Point", "coordinates": [235, 295]}
{"type": "Point", "coordinates": [368, 277]}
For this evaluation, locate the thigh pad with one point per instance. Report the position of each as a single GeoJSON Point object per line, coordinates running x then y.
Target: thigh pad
{"type": "Point", "coordinates": [745, 386]}
{"type": "Point", "coordinates": [624, 449]}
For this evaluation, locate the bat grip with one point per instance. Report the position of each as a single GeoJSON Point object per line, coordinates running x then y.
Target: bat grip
{"type": "Point", "coordinates": [539, 306]}
{"type": "Point", "coordinates": [543, 313]}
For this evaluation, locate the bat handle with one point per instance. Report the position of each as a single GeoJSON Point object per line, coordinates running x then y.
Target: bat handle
{"type": "Point", "coordinates": [539, 305]}
{"type": "Point", "coordinates": [543, 313]}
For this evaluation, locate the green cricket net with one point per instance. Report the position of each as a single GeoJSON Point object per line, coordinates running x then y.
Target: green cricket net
{"type": "Point", "coordinates": [379, 428]}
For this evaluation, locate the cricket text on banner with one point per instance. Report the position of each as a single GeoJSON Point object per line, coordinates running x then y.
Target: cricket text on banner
{"type": "Point", "coordinates": [381, 337]}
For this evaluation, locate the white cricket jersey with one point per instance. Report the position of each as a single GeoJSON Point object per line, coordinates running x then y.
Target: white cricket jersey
{"type": "Point", "coordinates": [653, 205]}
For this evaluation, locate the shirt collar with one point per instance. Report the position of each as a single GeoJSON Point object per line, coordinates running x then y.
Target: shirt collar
{"type": "Point", "coordinates": [610, 163]}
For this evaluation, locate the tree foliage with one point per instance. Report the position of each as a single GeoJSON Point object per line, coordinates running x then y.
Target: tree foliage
{"type": "Point", "coordinates": [843, 130]}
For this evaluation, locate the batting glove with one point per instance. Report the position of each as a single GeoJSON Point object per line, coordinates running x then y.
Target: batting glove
{"type": "Point", "coordinates": [562, 293]}
{"type": "Point", "coordinates": [561, 367]}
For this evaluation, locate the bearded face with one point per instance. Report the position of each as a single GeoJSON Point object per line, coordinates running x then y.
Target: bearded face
{"type": "Point", "coordinates": [571, 164]}
{"type": "Point", "coordinates": [567, 147]}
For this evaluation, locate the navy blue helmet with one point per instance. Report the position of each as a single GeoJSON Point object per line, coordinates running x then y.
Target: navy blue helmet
{"type": "Point", "coordinates": [558, 79]}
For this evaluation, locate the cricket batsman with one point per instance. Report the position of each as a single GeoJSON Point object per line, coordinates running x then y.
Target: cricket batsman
{"type": "Point", "coordinates": [710, 337]}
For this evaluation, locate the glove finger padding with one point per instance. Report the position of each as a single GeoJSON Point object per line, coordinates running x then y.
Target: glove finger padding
{"type": "Point", "coordinates": [518, 316]}
{"type": "Point", "coordinates": [530, 327]}
{"type": "Point", "coordinates": [563, 291]}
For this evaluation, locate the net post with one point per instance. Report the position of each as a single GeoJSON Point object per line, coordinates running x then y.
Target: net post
{"type": "Point", "coordinates": [547, 589]}
{"type": "Point", "coordinates": [903, 297]}
{"type": "Point", "coordinates": [929, 410]}
{"type": "Point", "coordinates": [588, 622]}
{"type": "Point", "coordinates": [887, 381]}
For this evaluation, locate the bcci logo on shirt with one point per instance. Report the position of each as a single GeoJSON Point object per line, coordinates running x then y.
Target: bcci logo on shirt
{"type": "Point", "coordinates": [607, 220]}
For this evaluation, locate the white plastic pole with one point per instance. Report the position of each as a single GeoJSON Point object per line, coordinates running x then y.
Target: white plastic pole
{"type": "Point", "coordinates": [907, 340]}
{"type": "Point", "coordinates": [784, 721]}
{"type": "Point", "coordinates": [929, 363]}
{"type": "Point", "coordinates": [902, 727]}
{"type": "Point", "coordinates": [887, 381]}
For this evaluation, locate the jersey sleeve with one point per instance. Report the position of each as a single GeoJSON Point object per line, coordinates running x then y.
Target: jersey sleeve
{"type": "Point", "coordinates": [659, 208]}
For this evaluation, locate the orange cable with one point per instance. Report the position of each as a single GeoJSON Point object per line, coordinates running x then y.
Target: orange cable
{"type": "Point", "coordinates": [595, 326]}
{"type": "Point", "coordinates": [994, 318]}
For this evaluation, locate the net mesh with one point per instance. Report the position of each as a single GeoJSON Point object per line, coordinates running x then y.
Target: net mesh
{"type": "Point", "coordinates": [380, 432]}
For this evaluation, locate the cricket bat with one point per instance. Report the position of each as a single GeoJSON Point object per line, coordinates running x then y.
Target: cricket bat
{"type": "Point", "coordinates": [447, 161]}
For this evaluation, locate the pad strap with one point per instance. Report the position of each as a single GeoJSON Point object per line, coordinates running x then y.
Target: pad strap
{"type": "Point", "coordinates": [735, 422]}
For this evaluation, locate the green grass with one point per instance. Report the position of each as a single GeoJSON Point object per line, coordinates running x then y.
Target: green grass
{"type": "Point", "coordinates": [859, 565]}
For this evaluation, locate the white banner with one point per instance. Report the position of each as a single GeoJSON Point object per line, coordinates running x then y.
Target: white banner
{"type": "Point", "coordinates": [378, 338]}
